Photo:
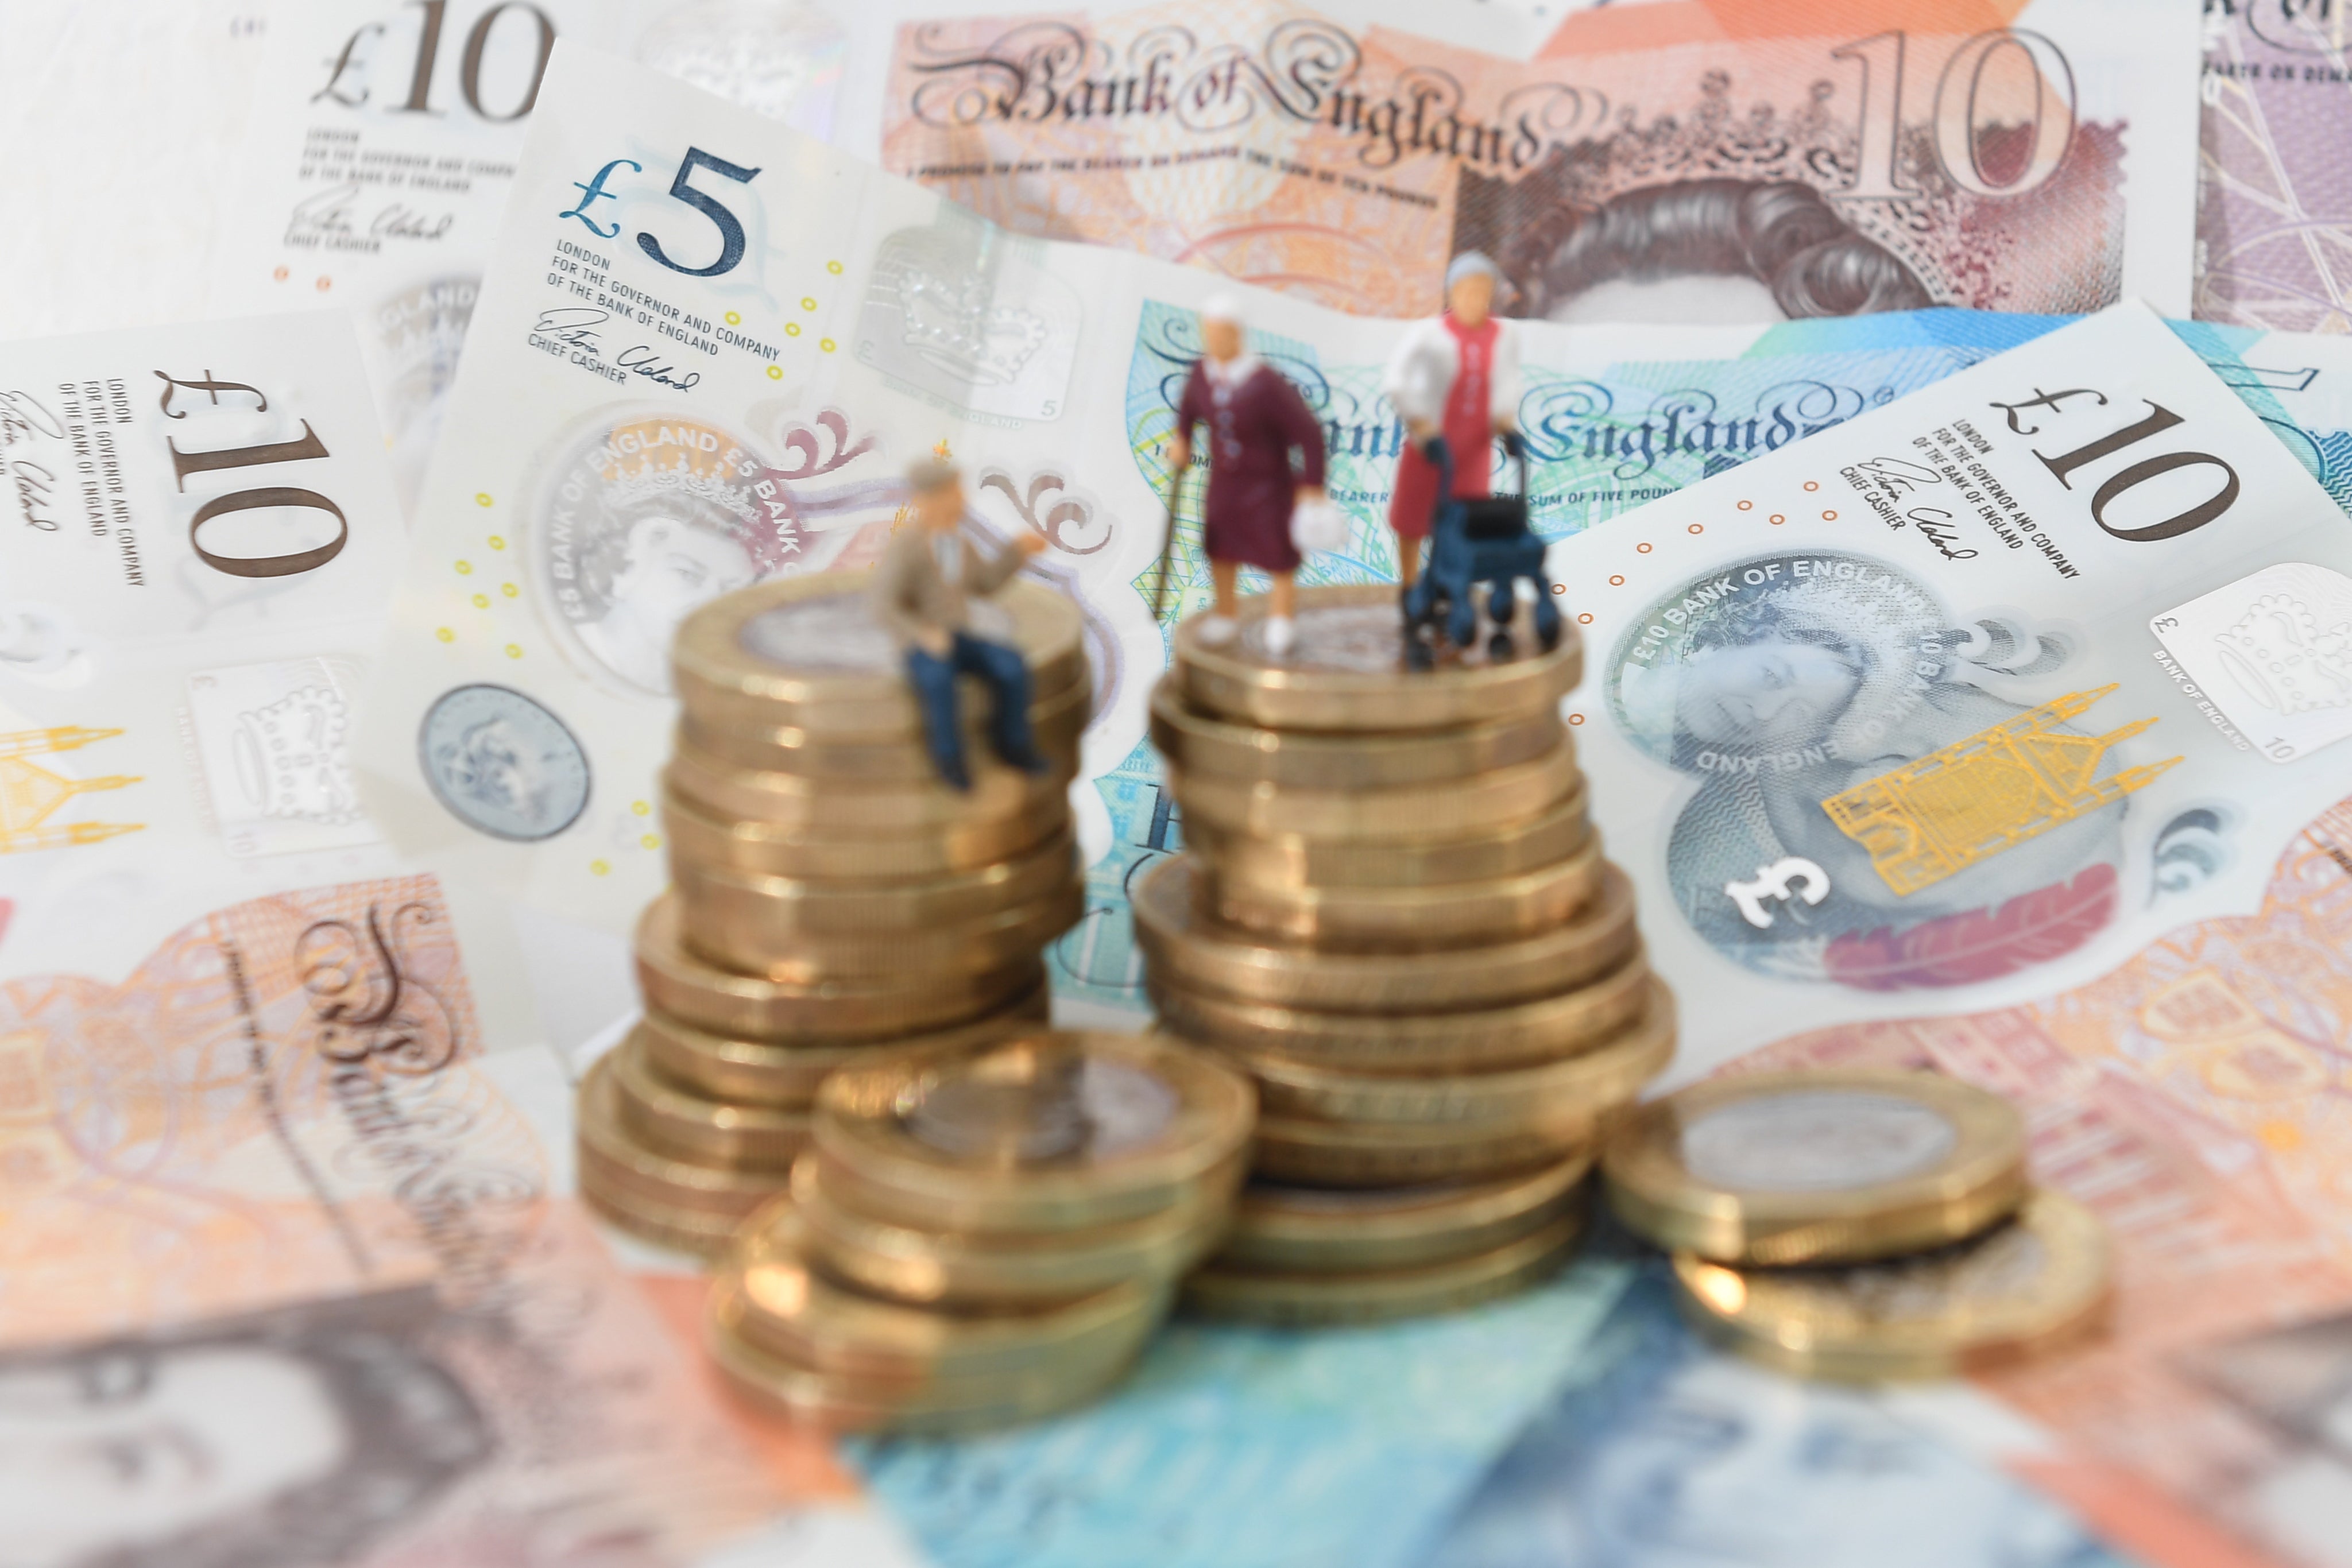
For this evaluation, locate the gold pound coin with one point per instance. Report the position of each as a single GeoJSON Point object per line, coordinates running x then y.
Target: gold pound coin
{"type": "Point", "coordinates": [921, 1263]}
{"type": "Point", "coordinates": [1450, 915]}
{"type": "Point", "coordinates": [787, 1306]}
{"type": "Point", "coordinates": [969, 947]}
{"type": "Point", "coordinates": [1513, 1036]}
{"type": "Point", "coordinates": [762, 1072]}
{"type": "Point", "coordinates": [1822, 1166]}
{"type": "Point", "coordinates": [1346, 671]}
{"type": "Point", "coordinates": [808, 652]}
{"type": "Point", "coordinates": [1415, 814]}
{"type": "Point", "coordinates": [1056, 722]}
{"type": "Point", "coordinates": [644, 1189]}
{"type": "Point", "coordinates": [838, 1010]}
{"type": "Point", "coordinates": [1594, 1082]}
{"type": "Point", "coordinates": [779, 912]}
{"type": "Point", "coordinates": [1304, 1153]}
{"type": "Point", "coordinates": [789, 800]}
{"type": "Point", "coordinates": [1289, 863]}
{"type": "Point", "coordinates": [1303, 1300]}
{"type": "Point", "coordinates": [1208, 747]}
{"type": "Point", "coordinates": [1341, 1230]}
{"type": "Point", "coordinates": [686, 1230]}
{"type": "Point", "coordinates": [2029, 1285]}
{"type": "Point", "coordinates": [670, 1119]}
{"type": "Point", "coordinates": [1053, 1131]}
{"type": "Point", "coordinates": [1180, 948]}
{"type": "Point", "coordinates": [699, 838]}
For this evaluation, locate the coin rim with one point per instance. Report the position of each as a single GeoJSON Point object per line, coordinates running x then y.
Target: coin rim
{"type": "Point", "coordinates": [1268, 1236]}
{"type": "Point", "coordinates": [1381, 1295]}
{"type": "Point", "coordinates": [1212, 746]}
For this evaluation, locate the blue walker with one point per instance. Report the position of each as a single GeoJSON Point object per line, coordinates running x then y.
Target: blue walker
{"type": "Point", "coordinates": [1480, 539]}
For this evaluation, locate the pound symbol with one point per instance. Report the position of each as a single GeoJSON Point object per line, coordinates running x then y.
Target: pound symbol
{"type": "Point", "coordinates": [1773, 881]}
{"type": "Point", "coordinates": [593, 192]}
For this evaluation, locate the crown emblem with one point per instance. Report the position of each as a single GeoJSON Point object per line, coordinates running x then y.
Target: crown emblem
{"type": "Point", "coordinates": [290, 757]}
{"type": "Point", "coordinates": [654, 483]}
{"type": "Point", "coordinates": [955, 327]}
{"type": "Point", "coordinates": [2285, 660]}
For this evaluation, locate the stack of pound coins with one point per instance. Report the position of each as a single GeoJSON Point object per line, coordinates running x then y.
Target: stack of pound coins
{"type": "Point", "coordinates": [830, 896]}
{"type": "Point", "coordinates": [981, 1234]}
{"type": "Point", "coordinates": [1394, 916]}
{"type": "Point", "coordinates": [1858, 1224]}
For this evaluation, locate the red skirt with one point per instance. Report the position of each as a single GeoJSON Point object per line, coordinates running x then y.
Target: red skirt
{"type": "Point", "coordinates": [1412, 505]}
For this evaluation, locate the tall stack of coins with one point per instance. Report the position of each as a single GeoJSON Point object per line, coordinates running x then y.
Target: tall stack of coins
{"type": "Point", "coordinates": [982, 1235]}
{"type": "Point", "coordinates": [1394, 916]}
{"type": "Point", "coordinates": [1858, 1224]}
{"type": "Point", "coordinates": [830, 895]}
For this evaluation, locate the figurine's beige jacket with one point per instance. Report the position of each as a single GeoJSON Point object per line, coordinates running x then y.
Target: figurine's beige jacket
{"type": "Point", "coordinates": [911, 594]}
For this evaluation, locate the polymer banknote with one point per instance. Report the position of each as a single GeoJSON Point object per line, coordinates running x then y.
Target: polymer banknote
{"type": "Point", "coordinates": [1815, 159]}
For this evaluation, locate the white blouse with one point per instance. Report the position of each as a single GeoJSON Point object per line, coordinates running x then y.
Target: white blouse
{"type": "Point", "coordinates": [1421, 371]}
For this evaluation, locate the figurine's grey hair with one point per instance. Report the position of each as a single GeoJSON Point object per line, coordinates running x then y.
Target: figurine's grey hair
{"type": "Point", "coordinates": [1472, 263]}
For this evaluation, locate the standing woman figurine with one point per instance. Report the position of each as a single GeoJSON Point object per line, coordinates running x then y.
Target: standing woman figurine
{"type": "Point", "coordinates": [1454, 378]}
{"type": "Point", "coordinates": [1266, 459]}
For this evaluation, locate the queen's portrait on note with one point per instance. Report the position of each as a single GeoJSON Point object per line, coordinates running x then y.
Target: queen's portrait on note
{"type": "Point", "coordinates": [1867, 809]}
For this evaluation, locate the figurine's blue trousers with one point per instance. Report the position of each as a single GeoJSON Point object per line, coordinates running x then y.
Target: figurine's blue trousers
{"type": "Point", "coordinates": [1005, 675]}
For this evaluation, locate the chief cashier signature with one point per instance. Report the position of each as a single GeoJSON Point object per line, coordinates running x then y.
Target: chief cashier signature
{"type": "Point", "coordinates": [21, 419]}
{"type": "Point", "coordinates": [574, 327]}
{"type": "Point", "coordinates": [329, 212]}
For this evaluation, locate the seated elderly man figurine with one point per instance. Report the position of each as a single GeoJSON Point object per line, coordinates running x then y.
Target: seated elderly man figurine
{"type": "Point", "coordinates": [922, 592]}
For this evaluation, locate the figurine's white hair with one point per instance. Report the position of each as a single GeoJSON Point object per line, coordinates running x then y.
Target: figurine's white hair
{"type": "Point", "coordinates": [1223, 306]}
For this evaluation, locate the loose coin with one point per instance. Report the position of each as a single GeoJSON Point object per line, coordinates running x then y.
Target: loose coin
{"type": "Point", "coordinates": [1206, 746]}
{"type": "Point", "coordinates": [779, 912]}
{"type": "Point", "coordinates": [1413, 813]}
{"type": "Point", "coordinates": [1302, 1300]}
{"type": "Point", "coordinates": [970, 946]}
{"type": "Point", "coordinates": [832, 805]}
{"type": "Point", "coordinates": [614, 1165]}
{"type": "Point", "coordinates": [1398, 1154]}
{"type": "Point", "coordinates": [1288, 863]}
{"type": "Point", "coordinates": [1055, 723]}
{"type": "Point", "coordinates": [672, 1120]}
{"type": "Point", "coordinates": [1513, 1036]}
{"type": "Point", "coordinates": [762, 1072]}
{"type": "Point", "coordinates": [920, 1263]}
{"type": "Point", "coordinates": [1332, 1230]}
{"type": "Point", "coordinates": [837, 1011]}
{"type": "Point", "coordinates": [2031, 1284]}
{"type": "Point", "coordinates": [1345, 671]}
{"type": "Point", "coordinates": [808, 652]}
{"type": "Point", "coordinates": [1595, 1083]}
{"type": "Point", "coordinates": [788, 1307]}
{"type": "Point", "coordinates": [699, 838]}
{"type": "Point", "coordinates": [1450, 915]}
{"type": "Point", "coordinates": [1056, 1130]}
{"type": "Point", "coordinates": [1180, 948]}
{"type": "Point", "coordinates": [1817, 1166]}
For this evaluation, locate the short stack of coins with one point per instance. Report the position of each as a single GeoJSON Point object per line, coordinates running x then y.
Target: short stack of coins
{"type": "Point", "coordinates": [830, 895]}
{"type": "Point", "coordinates": [1858, 1224]}
{"type": "Point", "coordinates": [982, 1235]}
{"type": "Point", "coordinates": [1394, 913]}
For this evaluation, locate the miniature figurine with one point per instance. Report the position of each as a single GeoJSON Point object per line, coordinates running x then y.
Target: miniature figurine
{"type": "Point", "coordinates": [1454, 378]}
{"type": "Point", "coordinates": [920, 592]}
{"type": "Point", "coordinates": [1266, 459]}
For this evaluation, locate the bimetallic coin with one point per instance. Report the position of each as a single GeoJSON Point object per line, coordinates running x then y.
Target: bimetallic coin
{"type": "Point", "coordinates": [1413, 813]}
{"type": "Point", "coordinates": [667, 1119]}
{"type": "Point", "coordinates": [1183, 948]}
{"type": "Point", "coordinates": [762, 1072]}
{"type": "Point", "coordinates": [1540, 1030]}
{"type": "Point", "coordinates": [1450, 915]}
{"type": "Point", "coordinates": [1053, 1130]}
{"type": "Point", "coordinates": [1302, 1300]}
{"type": "Point", "coordinates": [1594, 1082]}
{"type": "Point", "coordinates": [786, 1306]}
{"type": "Point", "coordinates": [1056, 723]}
{"type": "Point", "coordinates": [1817, 1166]}
{"type": "Point", "coordinates": [1208, 747]}
{"type": "Point", "coordinates": [922, 1263]}
{"type": "Point", "coordinates": [779, 912]}
{"type": "Point", "coordinates": [2031, 1284]}
{"type": "Point", "coordinates": [1339, 1231]}
{"type": "Point", "coordinates": [1346, 671]}
{"type": "Point", "coordinates": [808, 652]}
{"type": "Point", "coordinates": [1400, 1154]}
{"type": "Point", "coordinates": [699, 838]}
{"type": "Point", "coordinates": [836, 1011]}
{"type": "Point", "coordinates": [502, 764]}
{"type": "Point", "coordinates": [1288, 863]}
{"type": "Point", "coordinates": [620, 1173]}
{"type": "Point", "coordinates": [971, 947]}
{"type": "Point", "coordinates": [838, 806]}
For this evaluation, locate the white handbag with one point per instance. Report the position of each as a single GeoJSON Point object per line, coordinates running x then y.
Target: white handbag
{"type": "Point", "coordinates": [1317, 525]}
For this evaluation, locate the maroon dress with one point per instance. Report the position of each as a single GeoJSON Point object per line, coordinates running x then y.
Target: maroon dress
{"type": "Point", "coordinates": [1253, 426]}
